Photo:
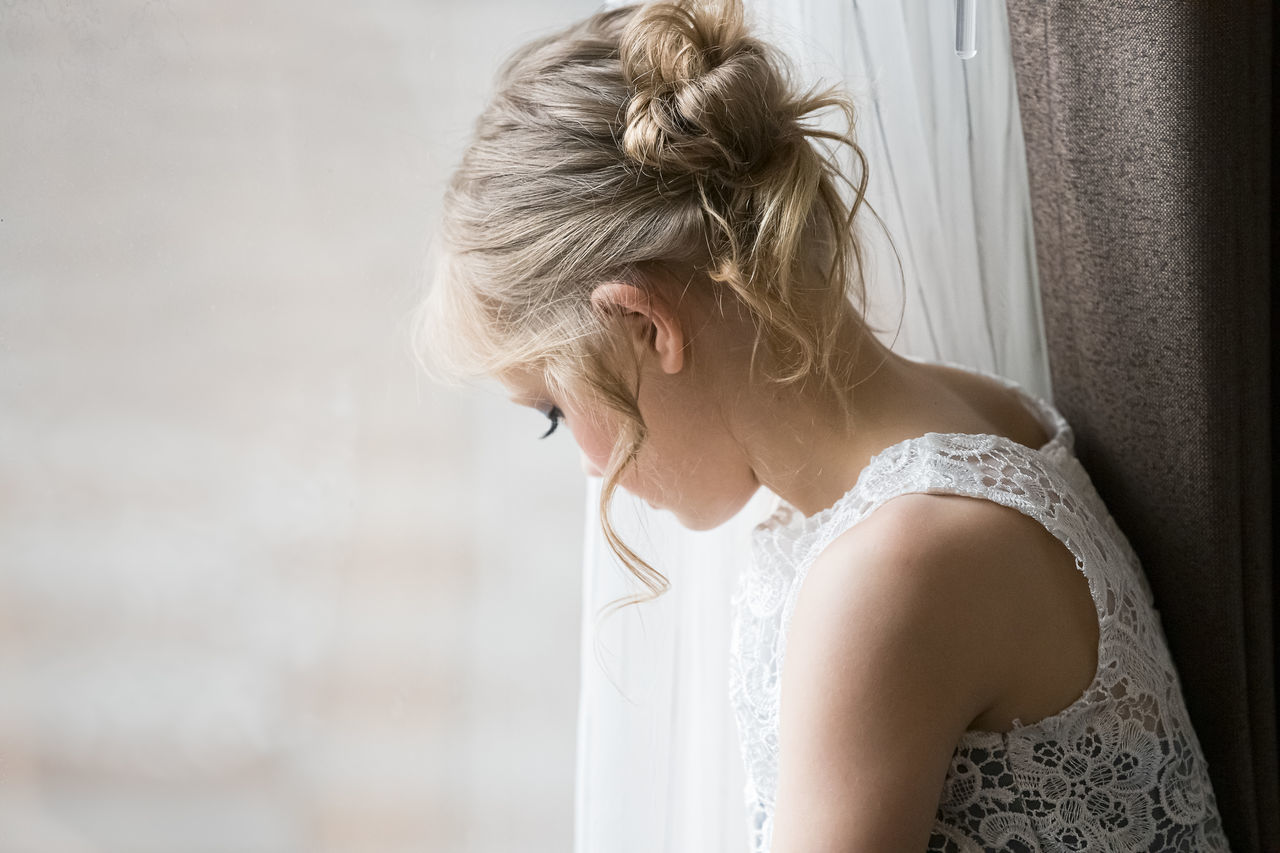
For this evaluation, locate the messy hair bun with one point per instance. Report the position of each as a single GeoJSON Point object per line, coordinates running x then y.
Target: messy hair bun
{"type": "Point", "coordinates": [712, 115]}
{"type": "Point", "coordinates": [706, 98]}
{"type": "Point", "coordinates": [641, 141]}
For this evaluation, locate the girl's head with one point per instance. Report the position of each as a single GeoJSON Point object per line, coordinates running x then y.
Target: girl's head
{"type": "Point", "coordinates": [648, 216]}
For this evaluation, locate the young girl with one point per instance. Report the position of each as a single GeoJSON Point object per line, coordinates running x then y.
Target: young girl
{"type": "Point", "coordinates": [646, 241]}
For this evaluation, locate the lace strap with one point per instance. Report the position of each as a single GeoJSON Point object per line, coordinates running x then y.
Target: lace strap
{"type": "Point", "coordinates": [983, 466]}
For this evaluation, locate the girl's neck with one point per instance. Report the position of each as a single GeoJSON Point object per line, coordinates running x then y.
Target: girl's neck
{"type": "Point", "coordinates": [803, 453]}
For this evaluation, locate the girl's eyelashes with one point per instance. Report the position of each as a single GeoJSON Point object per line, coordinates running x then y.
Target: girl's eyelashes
{"type": "Point", "coordinates": [555, 416]}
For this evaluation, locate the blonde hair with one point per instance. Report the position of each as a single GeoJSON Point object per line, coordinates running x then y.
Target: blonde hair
{"type": "Point", "coordinates": [647, 140]}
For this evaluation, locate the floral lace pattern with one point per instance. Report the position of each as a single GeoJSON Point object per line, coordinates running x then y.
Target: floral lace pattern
{"type": "Point", "coordinates": [1119, 769]}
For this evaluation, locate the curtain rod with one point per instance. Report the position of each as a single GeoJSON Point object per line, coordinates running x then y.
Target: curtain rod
{"type": "Point", "coordinates": [966, 30]}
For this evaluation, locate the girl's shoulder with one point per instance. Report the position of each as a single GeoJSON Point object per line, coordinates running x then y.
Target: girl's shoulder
{"type": "Point", "coordinates": [885, 667]}
{"type": "Point", "coordinates": [1008, 595]}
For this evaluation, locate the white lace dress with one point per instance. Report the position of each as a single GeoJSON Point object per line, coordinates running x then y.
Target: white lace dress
{"type": "Point", "coordinates": [1120, 769]}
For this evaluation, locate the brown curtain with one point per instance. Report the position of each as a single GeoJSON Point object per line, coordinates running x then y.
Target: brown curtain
{"type": "Point", "coordinates": [1148, 133]}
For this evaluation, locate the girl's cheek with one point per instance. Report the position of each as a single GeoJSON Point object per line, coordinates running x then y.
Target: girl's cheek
{"type": "Point", "coordinates": [589, 467]}
{"type": "Point", "coordinates": [595, 454]}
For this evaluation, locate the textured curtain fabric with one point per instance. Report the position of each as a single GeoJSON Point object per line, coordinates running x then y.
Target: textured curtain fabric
{"type": "Point", "coordinates": [659, 769]}
{"type": "Point", "coordinates": [1148, 143]}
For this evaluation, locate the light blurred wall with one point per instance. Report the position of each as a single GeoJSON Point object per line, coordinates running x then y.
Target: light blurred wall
{"type": "Point", "coordinates": [262, 588]}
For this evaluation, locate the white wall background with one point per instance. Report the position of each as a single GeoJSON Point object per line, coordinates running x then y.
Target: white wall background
{"type": "Point", "coordinates": [261, 587]}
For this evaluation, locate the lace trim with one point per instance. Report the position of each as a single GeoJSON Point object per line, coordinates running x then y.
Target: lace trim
{"type": "Point", "coordinates": [801, 529]}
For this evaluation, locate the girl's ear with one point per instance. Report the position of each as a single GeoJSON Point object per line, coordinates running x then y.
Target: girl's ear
{"type": "Point", "coordinates": [654, 326]}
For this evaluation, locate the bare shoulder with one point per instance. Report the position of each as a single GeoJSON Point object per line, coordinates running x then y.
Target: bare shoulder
{"type": "Point", "coordinates": [909, 627]}
{"type": "Point", "coordinates": [987, 583]}
{"type": "Point", "coordinates": [941, 525]}
{"type": "Point", "coordinates": [1006, 591]}
{"type": "Point", "coordinates": [1017, 592]}
{"type": "Point", "coordinates": [881, 678]}
{"type": "Point", "coordinates": [927, 575]}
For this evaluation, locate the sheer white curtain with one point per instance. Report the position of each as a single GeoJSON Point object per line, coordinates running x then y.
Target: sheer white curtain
{"type": "Point", "coordinates": [658, 764]}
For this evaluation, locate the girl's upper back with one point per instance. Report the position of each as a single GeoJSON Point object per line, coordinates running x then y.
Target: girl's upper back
{"type": "Point", "coordinates": [1120, 768]}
